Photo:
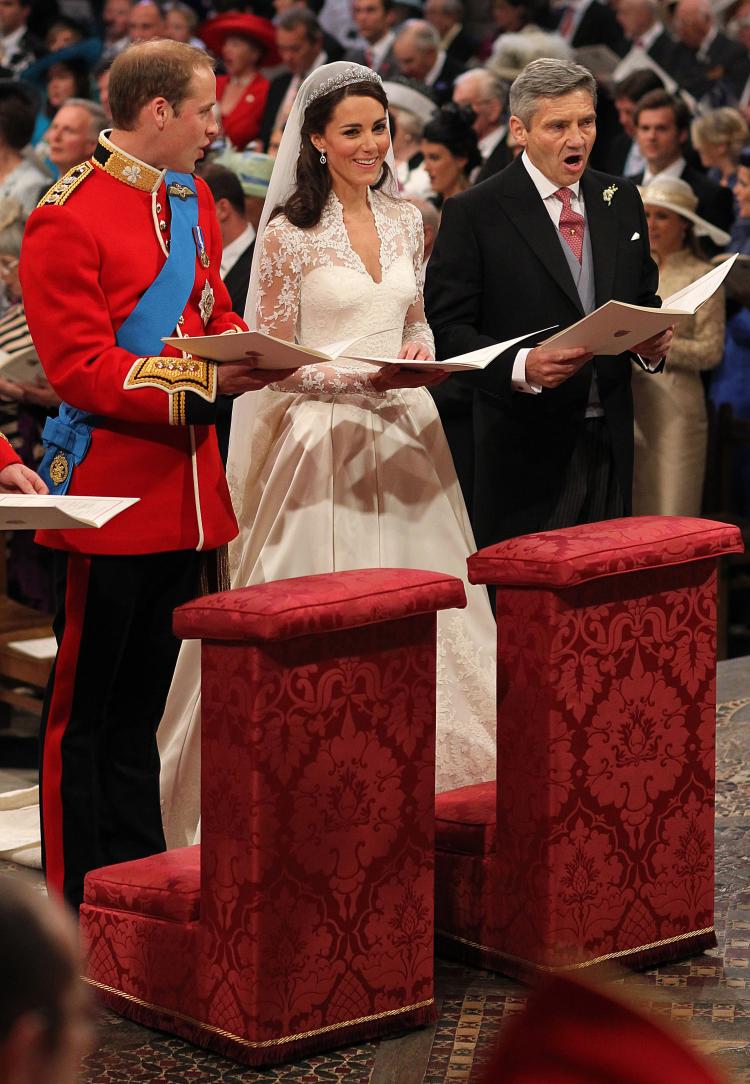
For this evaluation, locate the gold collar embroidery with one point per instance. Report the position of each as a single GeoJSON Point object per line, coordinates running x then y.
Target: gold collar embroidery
{"type": "Point", "coordinates": [124, 167]}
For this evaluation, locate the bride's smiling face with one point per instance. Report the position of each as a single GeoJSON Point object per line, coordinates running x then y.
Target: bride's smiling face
{"type": "Point", "coordinates": [355, 141]}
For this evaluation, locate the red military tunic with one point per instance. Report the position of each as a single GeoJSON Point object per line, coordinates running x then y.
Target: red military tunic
{"type": "Point", "coordinates": [91, 249]}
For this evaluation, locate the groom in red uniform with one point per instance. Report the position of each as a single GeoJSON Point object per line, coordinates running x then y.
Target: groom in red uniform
{"type": "Point", "coordinates": [123, 250]}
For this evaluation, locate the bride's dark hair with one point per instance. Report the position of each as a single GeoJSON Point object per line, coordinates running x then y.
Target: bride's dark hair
{"type": "Point", "coordinates": [313, 182]}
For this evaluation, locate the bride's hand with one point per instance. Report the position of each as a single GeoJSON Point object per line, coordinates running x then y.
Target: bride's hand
{"type": "Point", "coordinates": [415, 352]}
{"type": "Point", "coordinates": [397, 376]}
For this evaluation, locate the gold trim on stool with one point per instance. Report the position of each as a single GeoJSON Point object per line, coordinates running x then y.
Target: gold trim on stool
{"type": "Point", "coordinates": [249, 1042]}
{"type": "Point", "coordinates": [586, 963]}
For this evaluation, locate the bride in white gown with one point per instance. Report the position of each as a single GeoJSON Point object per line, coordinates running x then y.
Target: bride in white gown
{"type": "Point", "coordinates": [341, 466]}
{"type": "Point", "coordinates": [337, 467]}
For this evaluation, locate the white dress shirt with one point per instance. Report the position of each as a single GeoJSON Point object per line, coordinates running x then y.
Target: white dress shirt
{"type": "Point", "coordinates": [674, 169]}
{"type": "Point", "coordinates": [546, 189]}
{"type": "Point", "coordinates": [434, 72]}
{"type": "Point", "coordinates": [232, 252]}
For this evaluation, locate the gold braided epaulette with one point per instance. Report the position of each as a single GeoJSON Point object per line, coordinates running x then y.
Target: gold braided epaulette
{"type": "Point", "coordinates": [175, 376]}
{"type": "Point", "coordinates": [63, 188]}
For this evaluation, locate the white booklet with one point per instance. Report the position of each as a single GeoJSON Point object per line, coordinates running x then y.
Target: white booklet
{"type": "Point", "coordinates": [33, 512]}
{"type": "Point", "coordinates": [617, 326]}
{"type": "Point", "coordinates": [273, 353]}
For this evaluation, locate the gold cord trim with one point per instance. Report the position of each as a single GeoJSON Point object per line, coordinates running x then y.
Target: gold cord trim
{"type": "Point", "coordinates": [266, 1042]}
{"type": "Point", "coordinates": [65, 186]}
{"type": "Point", "coordinates": [587, 963]}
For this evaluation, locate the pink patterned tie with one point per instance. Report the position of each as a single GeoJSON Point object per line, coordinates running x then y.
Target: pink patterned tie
{"type": "Point", "coordinates": [572, 224]}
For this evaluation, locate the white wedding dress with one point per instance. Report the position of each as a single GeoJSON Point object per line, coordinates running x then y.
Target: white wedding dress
{"type": "Point", "coordinates": [328, 474]}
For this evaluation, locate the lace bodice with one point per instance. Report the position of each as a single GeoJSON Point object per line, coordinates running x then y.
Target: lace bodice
{"type": "Point", "coordinates": [314, 289]}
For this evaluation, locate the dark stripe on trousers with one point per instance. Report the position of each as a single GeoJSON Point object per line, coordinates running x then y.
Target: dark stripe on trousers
{"type": "Point", "coordinates": [100, 761]}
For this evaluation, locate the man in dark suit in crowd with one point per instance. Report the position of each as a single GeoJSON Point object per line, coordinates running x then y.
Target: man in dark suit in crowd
{"type": "Point", "coordinates": [662, 125]}
{"type": "Point", "coordinates": [543, 243]}
{"type": "Point", "coordinates": [487, 95]}
{"type": "Point", "coordinates": [19, 48]}
{"type": "Point", "coordinates": [447, 17]}
{"type": "Point", "coordinates": [644, 30]}
{"type": "Point", "coordinates": [420, 57]}
{"type": "Point", "coordinates": [706, 61]}
{"type": "Point", "coordinates": [300, 44]}
{"type": "Point", "coordinates": [622, 155]}
{"type": "Point", "coordinates": [371, 17]}
{"type": "Point", "coordinates": [589, 22]}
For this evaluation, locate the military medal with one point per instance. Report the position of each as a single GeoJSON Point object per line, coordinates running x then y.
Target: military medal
{"type": "Point", "coordinates": [182, 191]}
{"type": "Point", "coordinates": [58, 469]}
{"type": "Point", "coordinates": [200, 245]}
{"type": "Point", "coordinates": [206, 303]}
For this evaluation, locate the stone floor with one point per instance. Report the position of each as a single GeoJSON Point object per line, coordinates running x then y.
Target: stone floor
{"type": "Point", "coordinates": [707, 997]}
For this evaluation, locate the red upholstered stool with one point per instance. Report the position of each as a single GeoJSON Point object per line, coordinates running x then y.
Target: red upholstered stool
{"type": "Point", "coordinates": [597, 842]}
{"type": "Point", "coordinates": [304, 920]}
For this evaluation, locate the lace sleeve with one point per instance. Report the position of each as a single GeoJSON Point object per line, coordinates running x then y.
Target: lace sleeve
{"type": "Point", "coordinates": [416, 328]}
{"type": "Point", "coordinates": [280, 287]}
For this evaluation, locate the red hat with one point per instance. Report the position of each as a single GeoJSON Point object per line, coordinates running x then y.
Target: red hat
{"type": "Point", "coordinates": [262, 31]}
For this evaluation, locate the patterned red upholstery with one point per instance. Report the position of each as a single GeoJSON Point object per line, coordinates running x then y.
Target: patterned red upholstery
{"type": "Point", "coordinates": [313, 604]}
{"type": "Point", "coordinates": [576, 554]}
{"type": "Point", "coordinates": [605, 795]}
{"type": "Point", "coordinates": [315, 924]}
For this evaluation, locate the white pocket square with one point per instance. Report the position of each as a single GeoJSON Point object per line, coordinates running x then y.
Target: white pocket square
{"type": "Point", "coordinates": [636, 237]}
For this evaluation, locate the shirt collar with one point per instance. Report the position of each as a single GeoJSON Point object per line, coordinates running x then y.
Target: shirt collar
{"type": "Point", "coordinates": [673, 170]}
{"type": "Point", "coordinates": [234, 249]}
{"type": "Point", "coordinates": [126, 167]}
{"type": "Point", "coordinates": [544, 186]}
{"type": "Point", "coordinates": [434, 71]}
{"type": "Point", "coordinates": [488, 142]}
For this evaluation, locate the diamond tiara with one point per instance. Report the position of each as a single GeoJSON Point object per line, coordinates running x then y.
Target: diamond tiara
{"type": "Point", "coordinates": [357, 73]}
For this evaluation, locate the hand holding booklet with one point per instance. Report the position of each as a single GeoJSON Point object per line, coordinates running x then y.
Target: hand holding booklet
{"type": "Point", "coordinates": [31, 512]}
{"type": "Point", "coordinates": [272, 353]}
{"type": "Point", "coordinates": [617, 326]}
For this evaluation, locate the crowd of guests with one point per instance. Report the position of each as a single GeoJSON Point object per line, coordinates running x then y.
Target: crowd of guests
{"type": "Point", "coordinates": [673, 111]}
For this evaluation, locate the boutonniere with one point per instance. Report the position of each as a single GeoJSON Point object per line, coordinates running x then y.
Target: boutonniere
{"type": "Point", "coordinates": [608, 193]}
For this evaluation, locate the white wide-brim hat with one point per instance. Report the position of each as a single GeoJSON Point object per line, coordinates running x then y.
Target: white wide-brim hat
{"type": "Point", "coordinates": [676, 195]}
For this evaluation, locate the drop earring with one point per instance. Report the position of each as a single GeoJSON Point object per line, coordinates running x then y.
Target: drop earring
{"type": "Point", "coordinates": [323, 158]}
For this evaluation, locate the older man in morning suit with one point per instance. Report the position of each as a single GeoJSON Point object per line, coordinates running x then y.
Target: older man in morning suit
{"type": "Point", "coordinates": [542, 243]}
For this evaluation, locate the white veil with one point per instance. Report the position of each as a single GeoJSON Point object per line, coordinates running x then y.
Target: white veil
{"type": "Point", "coordinates": [323, 80]}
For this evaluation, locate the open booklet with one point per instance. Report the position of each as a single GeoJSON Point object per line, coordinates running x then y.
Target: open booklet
{"type": "Point", "coordinates": [33, 512]}
{"type": "Point", "coordinates": [272, 353]}
{"type": "Point", "coordinates": [617, 326]}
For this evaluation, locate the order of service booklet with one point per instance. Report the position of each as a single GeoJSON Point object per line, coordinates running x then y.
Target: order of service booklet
{"type": "Point", "coordinates": [272, 353]}
{"type": "Point", "coordinates": [617, 326]}
{"type": "Point", "coordinates": [33, 512]}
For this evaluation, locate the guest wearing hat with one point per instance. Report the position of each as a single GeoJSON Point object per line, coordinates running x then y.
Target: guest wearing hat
{"type": "Point", "coordinates": [671, 424]}
{"type": "Point", "coordinates": [451, 153]}
{"type": "Point", "coordinates": [409, 109]}
{"type": "Point", "coordinates": [254, 173]}
{"type": "Point", "coordinates": [244, 42]}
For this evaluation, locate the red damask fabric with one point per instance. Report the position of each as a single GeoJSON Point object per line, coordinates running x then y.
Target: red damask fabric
{"type": "Point", "coordinates": [574, 555]}
{"type": "Point", "coordinates": [165, 885]}
{"type": "Point", "coordinates": [315, 604]}
{"type": "Point", "coordinates": [316, 918]}
{"type": "Point", "coordinates": [605, 793]}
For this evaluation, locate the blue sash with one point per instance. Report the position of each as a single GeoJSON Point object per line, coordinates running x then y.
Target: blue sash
{"type": "Point", "coordinates": [67, 437]}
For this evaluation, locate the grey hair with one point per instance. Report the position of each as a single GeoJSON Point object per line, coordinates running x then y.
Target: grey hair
{"type": "Point", "coordinates": [407, 122]}
{"type": "Point", "coordinates": [423, 34]}
{"type": "Point", "coordinates": [492, 86]}
{"type": "Point", "coordinates": [547, 78]}
{"type": "Point", "coordinates": [98, 117]}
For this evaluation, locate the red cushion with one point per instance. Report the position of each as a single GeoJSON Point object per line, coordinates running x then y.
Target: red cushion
{"type": "Point", "coordinates": [574, 555]}
{"type": "Point", "coordinates": [163, 886]}
{"type": "Point", "coordinates": [314, 604]}
{"type": "Point", "coordinates": [465, 819]}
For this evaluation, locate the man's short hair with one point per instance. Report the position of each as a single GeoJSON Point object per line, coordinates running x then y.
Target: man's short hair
{"type": "Point", "coordinates": [148, 70]}
{"type": "Point", "coordinates": [295, 17]}
{"type": "Point", "coordinates": [18, 109]}
{"type": "Point", "coordinates": [545, 79]}
{"type": "Point", "coordinates": [660, 99]}
{"type": "Point", "coordinates": [640, 82]}
{"type": "Point", "coordinates": [492, 85]}
{"type": "Point", "coordinates": [97, 116]}
{"type": "Point", "coordinates": [225, 184]}
{"type": "Point", "coordinates": [37, 973]}
{"type": "Point", "coordinates": [424, 36]}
